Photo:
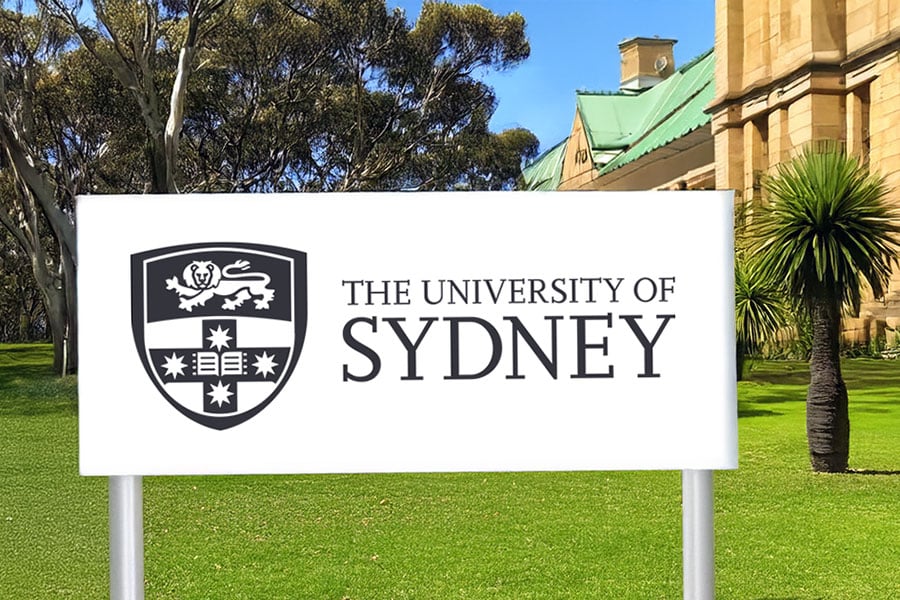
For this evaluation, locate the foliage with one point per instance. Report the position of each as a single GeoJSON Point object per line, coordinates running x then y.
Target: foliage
{"type": "Point", "coordinates": [22, 317]}
{"type": "Point", "coordinates": [781, 531]}
{"type": "Point", "coordinates": [828, 227]}
{"type": "Point", "coordinates": [826, 232]}
{"type": "Point", "coordinates": [239, 95]}
{"type": "Point", "coordinates": [760, 311]}
{"type": "Point", "coordinates": [38, 175]}
{"type": "Point", "coordinates": [354, 98]}
{"type": "Point", "coordinates": [798, 342]}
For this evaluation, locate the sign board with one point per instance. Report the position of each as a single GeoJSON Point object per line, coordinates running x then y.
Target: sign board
{"type": "Point", "coordinates": [397, 332]}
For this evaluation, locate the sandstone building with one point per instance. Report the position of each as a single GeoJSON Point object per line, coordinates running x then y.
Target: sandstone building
{"type": "Point", "coordinates": [792, 71]}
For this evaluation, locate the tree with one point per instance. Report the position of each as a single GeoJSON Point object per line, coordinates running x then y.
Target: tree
{"type": "Point", "coordinates": [22, 317]}
{"type": "Point", "coordinates": [131, 38]}
{"type": "Point", "coordinates": [309, 95]}
{"type": "Point", "coordinates": [759, 309]}
{"type": "Point", "coordinates": [826, 232]}
{"type": "Point", "coordinates": [163, 96]}
{"type": "Point", "coordinates": [404, 106]}
{"type": "Point", "coordinates": [259, 104]}
{"type": "Point", "coordinates": [36, 197]}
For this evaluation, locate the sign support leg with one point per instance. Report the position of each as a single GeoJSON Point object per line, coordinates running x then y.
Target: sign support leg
{"type": "Point", "coordinates": [697, 534]}
{"type": "Point", "coordinates": [126, 538]}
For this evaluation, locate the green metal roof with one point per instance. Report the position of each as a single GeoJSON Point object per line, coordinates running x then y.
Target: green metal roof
{"type": "Point", "coordinates": [623, 126]}
{"type": "Point", "coordinates": [545, 171]}
{"type": "Point", "coordinates": [609, 120]}
{"type": "Point", "coordinates": [674, 108]}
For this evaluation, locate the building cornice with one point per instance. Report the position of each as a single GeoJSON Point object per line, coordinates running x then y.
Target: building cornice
{"type": "Point", "coordinates": [871, 52]}
{"type": "Point", "coordinates": [765, 87]}
{"type": "Point", "coordinates": [874, 50]}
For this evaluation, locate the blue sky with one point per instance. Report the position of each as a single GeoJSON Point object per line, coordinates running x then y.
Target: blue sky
{"type": "Point", "coordinates": [574, 46]}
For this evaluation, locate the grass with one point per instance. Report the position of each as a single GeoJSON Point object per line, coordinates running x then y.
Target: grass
{"type": "Point", "coordinates": [782, 532]}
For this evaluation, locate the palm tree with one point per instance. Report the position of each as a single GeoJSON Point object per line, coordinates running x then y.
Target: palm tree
{"type": "Point", "coordinates": [826, 231]}
{"type": "Point", "coordinates": [759, 309]}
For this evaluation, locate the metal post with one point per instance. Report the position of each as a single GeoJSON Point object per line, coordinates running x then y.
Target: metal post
{"type": "Point", "coordinates": [687, 537]}
{"type": "Point", "coordinates": [126, 538]}
{"type": "Point", "coordinates": [697, 535]}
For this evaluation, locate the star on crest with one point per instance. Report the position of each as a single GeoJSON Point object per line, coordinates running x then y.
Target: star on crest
{"type": "Point", "coordinates": [174, 365]}
{"type": "Point", "coordinates": [220, 393]}
{"type": "Point", "coordinates": [265, 364]}
{"type": "Point", "coordinates": [219, 337]}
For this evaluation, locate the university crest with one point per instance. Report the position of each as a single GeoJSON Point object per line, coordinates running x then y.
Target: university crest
{"type": "Point", "coordinates": [219, 327]}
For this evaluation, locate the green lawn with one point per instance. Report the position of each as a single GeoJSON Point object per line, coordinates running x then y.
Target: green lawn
{"type": "Point", "coordinates": [782, 532]}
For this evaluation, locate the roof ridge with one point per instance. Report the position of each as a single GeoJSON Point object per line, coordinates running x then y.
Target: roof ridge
{"type": "Point", "coordinates": [658, 122]}
{"type": "Point", "coordinates": [617, 162]}
{"type": "Point", "coordinates": [693, 62]}
{"type": "Point", "coordinates": [658, 95]}
{"type": "Point", "coordinates": [544, 154]}
{"type": "Point", "coordinates": [620, 93]}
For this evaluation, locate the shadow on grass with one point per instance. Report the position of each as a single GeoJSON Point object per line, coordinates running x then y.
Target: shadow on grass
{"type": "Point", "coordinates": [870, 409]}
{"type": "Point", "coordinates": [778, 399]}
{"type": "Point", "coordinates": [889, 382]}
{"type": "Point", "coordinates": [857, 373]}
{"type": "Point", "coordinates": [871, 472]}
{"type": "Point", "coordinates": [801, 379]}
{"type": "Point", "coordinates": [889, 397]}
{"type": "Point", "coordinates": [778, 373]}
{"type": "Point", "coordinates": [756, 412]}
{"type": "Point", "coordinates": [35, 406]}
{"type": "Point", "coordinates": [29, 386]}
{"type": "Point", "coordinates": [23, 362]}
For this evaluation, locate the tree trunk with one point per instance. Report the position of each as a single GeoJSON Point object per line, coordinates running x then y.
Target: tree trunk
{"type": "Point", "coordinates": [55, 308]}
{"type": "Point", "coordinates": [71, 332]}
{"type": "Point", "coordinates": [57, 292]}
{"type": "Point", "coordinates": [24, 326]}
{"type": "Point", "coordinates": [827, 418]}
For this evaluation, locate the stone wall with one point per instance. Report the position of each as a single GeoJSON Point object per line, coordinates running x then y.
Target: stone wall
{"type": "Point", "coordinates": [792, 71]}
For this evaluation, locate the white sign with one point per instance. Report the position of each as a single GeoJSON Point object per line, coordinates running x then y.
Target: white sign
{"type": "Point", "coordinates": [406, 332]}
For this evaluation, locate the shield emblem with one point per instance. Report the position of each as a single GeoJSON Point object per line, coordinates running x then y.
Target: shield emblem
{"type": "Point", "coordinates": [219, 326]}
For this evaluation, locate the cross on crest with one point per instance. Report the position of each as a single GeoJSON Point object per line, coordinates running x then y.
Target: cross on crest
{"type": "Point", "coordinates": [220, 364]}
{"type": "Point", "coordinates": [188, 304]}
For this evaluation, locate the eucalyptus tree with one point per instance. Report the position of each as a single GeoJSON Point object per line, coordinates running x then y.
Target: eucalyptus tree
{"type": "Point", "coordinates": [162, 96]}
{"type": "Point", "coordinates": [827, 231]}
{"type": "Point", "coordinates": [405, 107]}
{"type": "Point", "coordinates": [331, 95]}
{"type": "Point", "coordinates": [151, 48]}
{"type": "Point", "coordinates": [257, 104]}
{"type": "Point", "coordinates": [301, 95]}
{"type": "Point", "coordinates": [66, 128]}
{"type": "Point", "coordinates": [36, 196]}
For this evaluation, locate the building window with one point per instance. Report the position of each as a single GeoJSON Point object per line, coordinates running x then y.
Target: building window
{"type": "Point", "coordinates": [761, 143]}
{"type": "Point", "coordinates": [759, 156]}
{"type": "Point", "coordinates": [861, 128]}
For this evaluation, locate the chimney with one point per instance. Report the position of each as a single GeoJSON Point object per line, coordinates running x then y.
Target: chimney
{"type": "Point", "coordinates": [645, 62]}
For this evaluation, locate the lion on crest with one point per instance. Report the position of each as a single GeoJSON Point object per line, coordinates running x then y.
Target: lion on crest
{"type": "Point", "coordinates": [203, 280]}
